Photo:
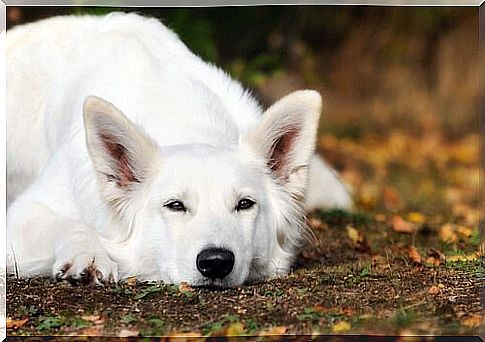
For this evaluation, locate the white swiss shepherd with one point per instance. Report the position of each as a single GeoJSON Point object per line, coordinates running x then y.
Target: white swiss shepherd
{"type": "Point", "coordinates": [127, 155]}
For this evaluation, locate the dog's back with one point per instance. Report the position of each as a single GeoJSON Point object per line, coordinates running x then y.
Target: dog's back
{"type": "Point", "coordinates": [130, 60]}
{"type": "Point", "coordinates": [140, 65]}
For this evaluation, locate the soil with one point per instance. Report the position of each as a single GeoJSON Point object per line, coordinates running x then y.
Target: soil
{"type": "Point", "coordinates": [371, 284]}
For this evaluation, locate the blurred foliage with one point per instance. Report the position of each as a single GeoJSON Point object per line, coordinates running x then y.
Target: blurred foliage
{"type": "Point", "coordinates": [255, 41]}
{"type": "Point", "coordinates": [400, 86]}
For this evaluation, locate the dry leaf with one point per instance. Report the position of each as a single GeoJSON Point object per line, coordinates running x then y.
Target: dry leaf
{"type": "Point", "coordinates": [447, 233]}
{"type": "Point", "coordinates": [185, 287]}
{"type": "Point", "coordinates": [16, 323]}
{"type": "Point", "coordinates": [131, 281]}
{"type": "Point", "coordinates": [435, 257]}
{"type": "Point", "coordinates": [353, 234]}
{"type": "Point", "coordinates": [380, 218]}
{"type": "Point", "coordinates": [317, 224]}
{"type": "Point", "coordinates": [391, 197]}
{"type": "Point", "coordinates": [433, 261]}
{"type": "Point", "coordinates": [178, 335]}
{"type": "Point", "coordinates": [278, 330]}
{"type": "Point", "coordinates": [128, 333]}
{"type": "Point", "coordinates": [414, 255]}
{"type": "Point", "coordinates": [235, 329]}
{"type": "Point", "coordinates": [342, 326]}
{"type": "Point", "coordinates": [378, 260]}
{"type": "Point", "coordinates": [468, 257]}
{"type": "Point", "coordinates": [402, 226]}
{"type": "Point", "coordinates": [472, 321]}
{"type": "Point", "coordinates": [92, 331]}
{"type": "Point", "coordinates": [96, 319]}
{"type": "Point", "coordinates": [433, 290]}
{"type": "Point", "coordinates": [466, 232]}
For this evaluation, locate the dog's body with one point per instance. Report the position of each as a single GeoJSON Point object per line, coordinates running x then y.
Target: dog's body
{"type": "Point", "coordinates": [183, 171]}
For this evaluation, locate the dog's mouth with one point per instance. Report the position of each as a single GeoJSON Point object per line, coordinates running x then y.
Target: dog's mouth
{"type": "Point", "coordinates": [213, 284]}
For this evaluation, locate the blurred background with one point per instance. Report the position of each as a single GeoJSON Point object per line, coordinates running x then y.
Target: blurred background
{"type": "Point", "coordinates": [400, 86]}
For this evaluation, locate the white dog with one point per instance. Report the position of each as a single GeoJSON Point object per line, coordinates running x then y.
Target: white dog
{"type": "Point", "coordinates": [127, 155]}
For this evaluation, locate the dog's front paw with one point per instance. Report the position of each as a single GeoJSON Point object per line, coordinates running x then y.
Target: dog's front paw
{"type": "Point", "coordinates": [86, 269]}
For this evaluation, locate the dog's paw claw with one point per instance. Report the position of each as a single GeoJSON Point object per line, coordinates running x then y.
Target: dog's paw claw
{"type": "Point", "coordinates": [85, 271]}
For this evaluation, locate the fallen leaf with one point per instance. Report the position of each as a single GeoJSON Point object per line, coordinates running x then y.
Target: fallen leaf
{"type": "Point", "coordinates": [235, 329]}
{"type": "Point", "coordinates": [353, 234]}
{"type": "Point", "coordinates": [433, 261]}
{"type": "Point", "coordinates": [466, 232]}
{"type": "Point", "coordinates": [470, 215]}
{"type": "Point", "coordinates": [447, 233]}
{"type": "Point", "coordinates": [433, 290]}
{"type": "Point", "coordinates": [131, 281]}
{"type": "Point", "coordinates": [96, 319]}
{"type": "Point", "coordinates": [185, 287]}
{"type": "Point", "coordinates": [128, 333]}
{"type": "Point", "coordinates": [92, 331]}
{"type": "Point", "coordinates": [472, 321]}
{"type": "Point", "coordinates": [16, 323]}
{"type": "Point", "coordinates": [402, 226]}
{"type": "Point", "coordinates": [317, 224]}
{"type": "Point", "coordinates": [416, 217]}
{"type": "Point", "coordinates": [380, 218]}
{"type": "Point", "coordinates": [435, 257]}
{"type": "Point", "coordinates": [414, 254]}
{"type": "Point", "coordinates": [176, 335]}
{"type": "Point", "coordinates": [467, 257]}
{"type": "Point", "coordinates": [278, 330]}
{"type": "Point", "coordinates": [340, 327]}
{"type": "Point", "coordinates": [378, 260]}
{"type": "Point", "coordinates": [392, 201]}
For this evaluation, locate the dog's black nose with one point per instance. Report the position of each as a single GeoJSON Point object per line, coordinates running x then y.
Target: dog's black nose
{"type": "Point", "coordinates": [215, 262]}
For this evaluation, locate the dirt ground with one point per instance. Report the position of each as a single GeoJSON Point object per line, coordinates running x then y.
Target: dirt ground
{"type": "Point", "coordinates": [341, 285]}
{"type": "Point", "coordinates": [406, 261]}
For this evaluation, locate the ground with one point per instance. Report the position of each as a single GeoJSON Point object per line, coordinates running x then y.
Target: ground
{"type": "Point", "coordinates": [406, 261]}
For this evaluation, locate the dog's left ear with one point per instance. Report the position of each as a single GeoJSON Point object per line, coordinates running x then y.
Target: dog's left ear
{"type": "Point", "coordinates": [286, 136]}
{"type": "Point", "coordinates": [120, 150]}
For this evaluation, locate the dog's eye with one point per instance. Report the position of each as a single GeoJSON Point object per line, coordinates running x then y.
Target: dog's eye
{"type": "Point", "coordinates": [175, 206]}
{"type": "Point", "coordinates": [244, 204]}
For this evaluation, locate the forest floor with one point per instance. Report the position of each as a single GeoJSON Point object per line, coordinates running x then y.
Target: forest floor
{"type": "Point", "coordinates": [407, 261]}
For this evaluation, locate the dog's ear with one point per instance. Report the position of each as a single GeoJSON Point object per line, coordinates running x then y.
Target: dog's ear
{"type": "Point", "coordinates": [286, 136]}
{"type": "Point", "coordinates": [121, 152]}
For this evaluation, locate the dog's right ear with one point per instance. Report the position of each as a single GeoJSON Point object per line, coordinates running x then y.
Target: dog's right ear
{"type": "Point", "coordinates": [121, 151]}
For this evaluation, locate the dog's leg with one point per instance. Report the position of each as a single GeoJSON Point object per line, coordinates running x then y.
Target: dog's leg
{"type": "Point", "coordinates": [326, 189]}
{"type": "Point", "coordinates": [42, 242]}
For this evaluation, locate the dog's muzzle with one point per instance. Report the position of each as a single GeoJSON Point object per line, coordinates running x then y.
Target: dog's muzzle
{"type": "Point", "coordinates": [215, 263]}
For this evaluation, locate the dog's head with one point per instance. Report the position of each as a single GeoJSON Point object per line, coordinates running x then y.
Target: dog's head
{"type": "Point", "coordinates": [208, 215]}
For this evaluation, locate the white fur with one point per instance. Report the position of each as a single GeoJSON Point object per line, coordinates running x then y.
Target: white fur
{"type": "Point", "coordinates": [88, 175]}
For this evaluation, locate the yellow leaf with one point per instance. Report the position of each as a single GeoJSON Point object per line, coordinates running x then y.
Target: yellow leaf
{"type": "Point", "coordinates": [278, 330]}
{"type": "Point", "coordinates": [177, 336]}
{"type": "Point", "coordinates": [340, 327]}
{"type": "Point", "coordinates": [472, 321]}
{"type": "Point", "coordinates": [447, 233]}
{"type": "Point", "coordinates": [416, 217]}
{"type": "Point", "coordinates": [464, 231]}
{"type": "Point", "coordinates": [353, 234]}
{"type": "Point", "coordinates": [380, 218]}
{"type": "Point", "coordinates": [235, 329]}
{"type": "Point", "coordinates": [468, 257]}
